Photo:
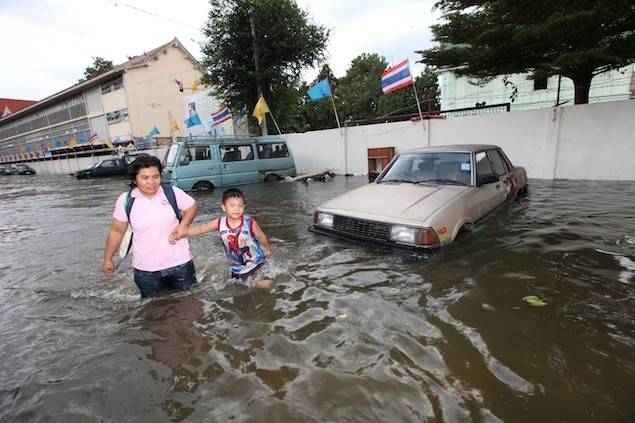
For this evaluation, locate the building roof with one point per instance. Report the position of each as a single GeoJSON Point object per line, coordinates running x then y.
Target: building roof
{"type": "Point", "coordinates": [133, 62]}
{"type": "Point", "coordinates": [10, 105]}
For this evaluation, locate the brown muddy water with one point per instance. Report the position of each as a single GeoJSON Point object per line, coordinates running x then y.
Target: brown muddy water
{"type": "Point", "coordinates": [348, 334]}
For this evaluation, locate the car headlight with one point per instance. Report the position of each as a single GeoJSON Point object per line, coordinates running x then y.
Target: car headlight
{"type": "Point", "coordinates": [403, 234]}
{"type": "Point", "coordinates": [323, 219]}
{"type": "Point", "coordinates": [416, 236]}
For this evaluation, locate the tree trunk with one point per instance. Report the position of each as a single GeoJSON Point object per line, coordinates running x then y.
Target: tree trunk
{"type": "Point", "coordinates": [581, 84]}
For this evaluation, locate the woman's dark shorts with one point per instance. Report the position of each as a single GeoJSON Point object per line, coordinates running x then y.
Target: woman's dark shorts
{"type": "Point", "coordinates": [177, 278]}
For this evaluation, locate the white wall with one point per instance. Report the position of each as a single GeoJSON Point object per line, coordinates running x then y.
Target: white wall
{"type": "Point", "coordinates": [591, 141]}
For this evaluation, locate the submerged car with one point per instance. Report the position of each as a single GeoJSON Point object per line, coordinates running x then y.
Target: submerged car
{"type": "Point", "coordinates": [108, 167]}
{"type": "Point", "coordinates": [424, 198]}
{"type": "Point", "coordinates": [19, 169]}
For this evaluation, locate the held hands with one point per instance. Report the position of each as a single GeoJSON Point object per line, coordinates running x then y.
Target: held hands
{"type": "Point", "coordinates": [178, 233]}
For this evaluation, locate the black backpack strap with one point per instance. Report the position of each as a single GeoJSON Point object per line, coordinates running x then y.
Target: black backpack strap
{"type": "Point", "coordinates": [169, 193]}
{"type": "Point", "coordinates": [127, 205]}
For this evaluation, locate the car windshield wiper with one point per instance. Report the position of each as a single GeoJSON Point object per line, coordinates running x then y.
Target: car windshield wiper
{"type": "Point", "coordinates": [444, 181]}
{"type": "Point", "coordinates": [396, 180]}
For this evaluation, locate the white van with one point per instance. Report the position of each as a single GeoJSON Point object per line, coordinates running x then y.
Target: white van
{"type": "Point", "coordinates": [203, 163]}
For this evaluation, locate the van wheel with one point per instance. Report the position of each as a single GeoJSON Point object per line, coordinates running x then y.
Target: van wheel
{"type": "Point", "coordinates": [203, 186]}
{"type": "Point", "coordinates": [272, 177]}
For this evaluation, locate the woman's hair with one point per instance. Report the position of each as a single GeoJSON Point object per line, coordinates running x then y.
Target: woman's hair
{"type": "Point", "coordinates": [143, 161]}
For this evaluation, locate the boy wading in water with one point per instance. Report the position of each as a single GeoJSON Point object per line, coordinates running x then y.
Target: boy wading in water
{"type": "Point", "coordinates": [246, 245]}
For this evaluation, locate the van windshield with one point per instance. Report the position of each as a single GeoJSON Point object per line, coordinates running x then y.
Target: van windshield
{"type": "Point", "coordinates": [170, 156]}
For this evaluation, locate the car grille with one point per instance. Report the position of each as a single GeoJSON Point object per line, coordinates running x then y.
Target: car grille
{"type": "Point", "coordinates": [362, 228]}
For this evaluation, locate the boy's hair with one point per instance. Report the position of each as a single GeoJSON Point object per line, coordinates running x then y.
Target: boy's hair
{"type": "Point", "coordinates": [232, 193]}
{"type": "Point", "coordinates": [143, 161]}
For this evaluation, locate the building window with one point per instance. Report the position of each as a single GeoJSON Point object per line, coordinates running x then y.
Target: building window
{"type": "Point", "coordinates": [117, 116]}
{"type": "Point", "coordinates": [540, 84]}
{"type": "Point", "coordinates": [111, 85]}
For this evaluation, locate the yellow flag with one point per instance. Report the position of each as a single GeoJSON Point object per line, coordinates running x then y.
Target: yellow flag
{"type": "Point", "coordinates": [260, 110]}
{"type": "Point", "coordinates": [194, 85]}
{"type": "Point", "coordinates": [174, 126]}
{"type": "Point", "coordinates": [109, 144]}
{"type": "Point", "coordinates": [72, 143]}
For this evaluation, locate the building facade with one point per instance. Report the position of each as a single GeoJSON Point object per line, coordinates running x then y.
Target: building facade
{"type": "Point", "coordinates": [142, 97]}
{"type": "Point", "coordinates": [458, 92]}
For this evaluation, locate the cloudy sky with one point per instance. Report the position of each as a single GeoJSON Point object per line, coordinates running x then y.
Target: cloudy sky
{"type": "Point", "coordinates": [47, 44]}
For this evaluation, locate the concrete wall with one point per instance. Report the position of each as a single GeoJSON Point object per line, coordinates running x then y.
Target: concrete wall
{"type": "Point", "coordinates": [591, 141]}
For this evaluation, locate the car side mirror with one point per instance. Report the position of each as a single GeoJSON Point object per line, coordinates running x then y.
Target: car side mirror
{"type": "Point", "coordinates": [373, 175]}
{"type": "Point", "coordinates": [488, 178]}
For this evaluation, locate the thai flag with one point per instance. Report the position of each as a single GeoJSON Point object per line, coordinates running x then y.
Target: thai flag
{"type": "Point", "coordinates": [396, 77]}
{"type": "Point", "coordinates": [221, 115]}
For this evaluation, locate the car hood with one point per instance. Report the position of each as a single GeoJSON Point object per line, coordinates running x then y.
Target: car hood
{"type": "Point", "coordinates": [393, 202]}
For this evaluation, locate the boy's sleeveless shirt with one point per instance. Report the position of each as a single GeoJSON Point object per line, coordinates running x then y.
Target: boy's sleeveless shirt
{"type": "Point", "coordinates": [244, 251]}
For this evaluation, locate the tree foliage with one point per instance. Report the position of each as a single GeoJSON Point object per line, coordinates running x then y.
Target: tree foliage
{"type": "Point", "coordinates": [260, 47]}
{"type": "Point", "coordinates": [359, 90]}
{"type": "Point", "coordinates": [358, 95]}
{"type": "Point", "coordinates": [99, 66]}
{"type": "Point", "coordinates": [577, 39]}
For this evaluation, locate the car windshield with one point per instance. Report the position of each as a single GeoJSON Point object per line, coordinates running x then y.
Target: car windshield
{"type": "Point", "coordinates": [430, 168]}
{"type": "Point", "coordinates": [170, 156]}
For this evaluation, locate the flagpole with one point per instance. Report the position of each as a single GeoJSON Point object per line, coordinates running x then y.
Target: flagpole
{"type": "Point", "coordinates": [414, 87]}
{"type": "Point", "coordinates": [337, 118]}
{"type": "Point", "coordinates": [274, 122]}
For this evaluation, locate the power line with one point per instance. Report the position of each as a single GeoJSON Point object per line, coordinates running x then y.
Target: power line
{"type": "Point", "coordinates": [149, 13]}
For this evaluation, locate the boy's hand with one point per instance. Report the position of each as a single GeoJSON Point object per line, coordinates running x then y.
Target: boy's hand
{"type": "Point", "coordinates": [178, 233]}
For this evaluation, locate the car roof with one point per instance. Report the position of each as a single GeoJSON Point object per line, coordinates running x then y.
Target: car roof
{"type": "Point", "coordinates": [460, 148]}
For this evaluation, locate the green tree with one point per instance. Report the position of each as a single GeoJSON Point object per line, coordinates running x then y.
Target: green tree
{"type": "Point", "coordinates": [359, 91]}
{"type": "Point", "coordinates": [99, 66]}
{"type": "Point", "coordinates": [577, 39]}
{"type": "Point", "coordinates": [260, 47]}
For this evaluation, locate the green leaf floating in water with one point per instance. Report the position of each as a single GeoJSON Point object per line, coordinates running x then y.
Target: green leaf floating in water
{"type": "Point", "coordinates": [534, 301]}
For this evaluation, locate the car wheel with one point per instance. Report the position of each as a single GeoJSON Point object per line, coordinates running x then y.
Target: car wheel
{"type": "Point", "coordinates": [272, 177]}
{"type": "Point", "coordinates": [203, 186]}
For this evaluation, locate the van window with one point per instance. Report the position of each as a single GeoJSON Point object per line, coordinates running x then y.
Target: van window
{"type": "Point", "coordinates": [235, 153]}
{"type": "Point", "coordinates": [273, 150]}
{"type": "Point", "coordinates": [200, 153]}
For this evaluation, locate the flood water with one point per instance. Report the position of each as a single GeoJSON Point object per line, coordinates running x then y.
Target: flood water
{"type": "Point", "coordinates": [347, 334]}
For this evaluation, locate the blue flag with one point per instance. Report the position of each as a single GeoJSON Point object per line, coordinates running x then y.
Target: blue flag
{"type": "Point", "coordinates": [193, 120]}
{"type": "Point", "coordinates": [320, 90]}
{"type": "Point", "coordinates": [154, 131]}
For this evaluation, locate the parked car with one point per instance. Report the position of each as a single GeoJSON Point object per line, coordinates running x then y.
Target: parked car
{"type": "Point", "coordinates": [424, 198]}
{"type": "Point", "coordinates": [108, 167]}
{"type": "Point", "coordinates": [19, 169]}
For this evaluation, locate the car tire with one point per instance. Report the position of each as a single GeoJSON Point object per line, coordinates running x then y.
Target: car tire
{"type": "Point", "coordinates": [203, 186]}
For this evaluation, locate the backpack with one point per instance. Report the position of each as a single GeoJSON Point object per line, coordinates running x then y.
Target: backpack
{"type": "Point", "coordinates": [127, 205]}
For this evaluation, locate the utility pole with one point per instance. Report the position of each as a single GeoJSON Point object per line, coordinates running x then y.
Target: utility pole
{"type": "Point", "coordinates": [257, 66]}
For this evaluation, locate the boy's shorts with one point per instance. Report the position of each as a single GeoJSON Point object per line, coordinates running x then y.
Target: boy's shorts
{"type": "Point", "coordinates": [260, 273]}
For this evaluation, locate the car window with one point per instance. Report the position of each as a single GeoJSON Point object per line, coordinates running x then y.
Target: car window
{"type": "Point", "coordinates": [236, 153]}
{"type": "Point", "coordinates": [199, 153]}
{"type": "Point", "coordinates": [483, 165]}
{"type": "Point", "coordinates": [439, 168]}
{"type": "Point", "coordinates": [500, 166]}
{"type": "Point", "coordinates": [170, 156]}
